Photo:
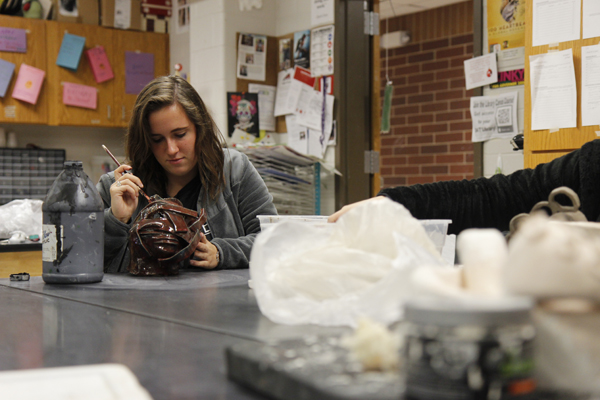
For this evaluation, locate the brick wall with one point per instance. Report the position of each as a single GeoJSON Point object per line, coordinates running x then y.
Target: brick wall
{"type": "Point", "coordinates": [430, 136]}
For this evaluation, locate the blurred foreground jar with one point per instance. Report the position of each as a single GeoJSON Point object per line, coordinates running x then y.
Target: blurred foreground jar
{"type": "Point", "coordinates": [476, 349]}
{"type": "Point", "coordinates": [73, 229]}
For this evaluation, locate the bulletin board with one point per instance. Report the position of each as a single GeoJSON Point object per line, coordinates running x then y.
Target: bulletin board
{"type": "Point", "coordinates": [272, 69]}
{"type": "Point", "coordinates": [541, 146]}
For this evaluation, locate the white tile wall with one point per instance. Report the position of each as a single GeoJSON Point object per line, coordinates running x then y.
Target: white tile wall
{"type": "Point", "coordinates": [213, 57]}
{"type": "Point", "coordinates": [292, 16]}
{"type": "Point", "coordinates": [510, 160]}
{"type": "Point", "coordinates": [179, 45]}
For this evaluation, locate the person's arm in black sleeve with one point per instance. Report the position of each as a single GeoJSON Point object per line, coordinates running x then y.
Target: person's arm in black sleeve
{"type": "Point", "coordinates": [488, 202]}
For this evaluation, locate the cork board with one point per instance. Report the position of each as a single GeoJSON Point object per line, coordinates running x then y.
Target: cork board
{"type": "Point", "coordinates": [543, 145]}
{"type": "Point", "coordinates": [272, 69]}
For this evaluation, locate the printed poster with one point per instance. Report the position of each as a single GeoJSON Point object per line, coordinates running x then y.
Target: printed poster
{"type": "Point", "coordinates": [6, 72]}
{"type": "Point", "coordinates": [12, 39]}
{"type": "Point", "coordinates": [252, 57]}
{"type": "Point", "coordinates": [553, 90]}
{"type": "Point", "coordinates": [285, 58]}
{"type": "Point", "coordinates": [494, 116]}
{"type": "Point", "coordinates": [139, 71]}
{"type": "Point", "coordinates": [321, 12]}
{"type": "Point", "coordinates": [183, 16]}
{"type": "Point", "coordinates": [242, 113]}
{"type": "Point", "coordinates": [29, 83]}
{"type": "Point", "coordinates": [590, 85]}
{"type": "Point", "coordinates": [266, 105]}
{"type": "Point", "coordinates": [99, 64]}
{"type": "Point", "coordinates": [70, 51]}
{"type": "Point", "coordinates": [321, 51]}
{"type": "Point", "coordinates": [511, 68]}
{"type": "Point", "coordinates": [506, 24]}
{"type": "Point", "coordinates": [480, 71]}
{"type": "Point", "coordinates": [80, 95]}
{"type": "Point", "coordinates": [302, 49]}
{"type": "Point", "coordinates": [284, 83]}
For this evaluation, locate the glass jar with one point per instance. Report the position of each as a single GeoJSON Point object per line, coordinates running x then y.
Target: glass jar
{"type": "Point", "coordinates": [469, 349]}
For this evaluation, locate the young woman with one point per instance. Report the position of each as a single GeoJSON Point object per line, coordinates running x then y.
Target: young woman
{"type": "Point", "coordinates": [175, 150]}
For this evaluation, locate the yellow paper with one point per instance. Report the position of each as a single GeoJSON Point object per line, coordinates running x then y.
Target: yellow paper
{"type": "Point", "coordinates": [506, 24]}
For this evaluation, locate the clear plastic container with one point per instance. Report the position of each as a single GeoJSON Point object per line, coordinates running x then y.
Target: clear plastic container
{"type": "Point", "coordinates": [270, 220]}
{"type": "Point", "coordinates": [436, 229]}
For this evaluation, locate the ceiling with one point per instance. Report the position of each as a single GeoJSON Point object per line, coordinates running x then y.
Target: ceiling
{"type": "Point", "coordinates": [394, 8]}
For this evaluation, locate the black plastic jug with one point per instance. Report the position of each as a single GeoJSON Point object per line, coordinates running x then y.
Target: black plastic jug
{"type": "Point", "coordinates": [73, 229]}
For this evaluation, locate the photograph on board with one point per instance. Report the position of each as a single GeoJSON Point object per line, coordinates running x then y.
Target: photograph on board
{"type": "Point", "coordinates": [285, 59]}
{"type": "Point", "coordinates": [302, 48]}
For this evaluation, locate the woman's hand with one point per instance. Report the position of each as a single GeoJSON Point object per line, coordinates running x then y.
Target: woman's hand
{"type": "Point", "coordinates": [124, 194]}
{"type": "Point", "coordinates": [334, 217]}
{"type": "Point", "coordinates": [206, 254]}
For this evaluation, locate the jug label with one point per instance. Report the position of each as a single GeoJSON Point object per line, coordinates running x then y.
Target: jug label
{"type": "Point", "coordinates": [50, 250]}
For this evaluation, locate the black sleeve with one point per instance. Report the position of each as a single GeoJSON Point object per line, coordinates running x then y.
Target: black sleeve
{"type": "Point", "coordinates": [488, 202]}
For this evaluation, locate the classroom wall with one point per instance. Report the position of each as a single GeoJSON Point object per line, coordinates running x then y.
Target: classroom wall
{"type": "Point", "coordinates": [292, 16]}
{"type": "Point", "coordinates": [213, 52]}
{"type": "Point", "coordinates": [430, 138]}
{"type": "Point", "coordinates": [179, 45]}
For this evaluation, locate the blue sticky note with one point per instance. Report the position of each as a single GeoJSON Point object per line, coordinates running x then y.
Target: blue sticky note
{"type": "Point", "coordinates": [70, 51]}
{"type": "Point", "coordinates": [6, 72]}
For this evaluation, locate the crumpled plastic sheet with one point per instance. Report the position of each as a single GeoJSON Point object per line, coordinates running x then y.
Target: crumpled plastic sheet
{"type": "Point", "coordinates": [21, 215]}
{"type": "Point", "coordinates": [332, 275]}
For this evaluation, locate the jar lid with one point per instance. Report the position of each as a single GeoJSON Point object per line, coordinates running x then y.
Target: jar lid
{"type": "Point", "coordinates": [474, 311]}
{"type": "Point", "coordinates": [73, 163]}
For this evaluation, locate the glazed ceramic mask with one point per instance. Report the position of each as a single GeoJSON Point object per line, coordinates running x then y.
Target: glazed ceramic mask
{"type": "Point", "coordinates": [163, 234]}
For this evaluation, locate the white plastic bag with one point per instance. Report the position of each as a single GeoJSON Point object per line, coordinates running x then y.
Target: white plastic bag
{"type": "Point", "coordinates": [21, 215]}
{"type": "Point", "coordinates": [359, 266]}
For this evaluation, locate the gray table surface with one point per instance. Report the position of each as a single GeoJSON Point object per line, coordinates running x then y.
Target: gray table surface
{"type": "Point", "coordinates": [171, 332]}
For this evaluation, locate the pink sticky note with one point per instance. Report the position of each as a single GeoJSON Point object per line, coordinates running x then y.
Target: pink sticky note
{"type": "Point", "coordinates": [80, 95]}
{"type": "Point", "coordinates": [28, 85]}
{"type": "Point", "coordinates": [100, 64]}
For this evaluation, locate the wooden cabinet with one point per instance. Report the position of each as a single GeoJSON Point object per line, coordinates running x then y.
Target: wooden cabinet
{"type": "Point", "coordinates": [145, 42]}
{"type": "Point", "coordinates": [61, 114]}
{"type": "Point", "coordinates": [44, 39]}
{"type": "Point", "coordinates": [17, 111]}
{"type": "Point", "coordinates": [114, 104]}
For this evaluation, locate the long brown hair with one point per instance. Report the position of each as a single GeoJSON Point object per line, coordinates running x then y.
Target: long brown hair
{"type": "Point", "coordinates": [159, 93]}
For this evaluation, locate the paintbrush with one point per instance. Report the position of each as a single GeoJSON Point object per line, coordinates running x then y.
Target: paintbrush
{"type": "Point", "coordinates": [127, 172]}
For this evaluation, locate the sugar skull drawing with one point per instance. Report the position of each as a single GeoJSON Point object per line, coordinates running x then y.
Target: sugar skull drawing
{"type": "Point", "coordinates": [243, 110]}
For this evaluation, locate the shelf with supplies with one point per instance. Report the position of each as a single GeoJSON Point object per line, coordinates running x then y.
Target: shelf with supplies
{"type": "Point", "coordinates": [28, 173]}
{"type": "Point", "coordinates": [293, 179]}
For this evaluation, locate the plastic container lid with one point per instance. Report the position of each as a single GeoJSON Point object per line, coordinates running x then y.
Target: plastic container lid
{"type": "Point", "coordinates": [476, 311]}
